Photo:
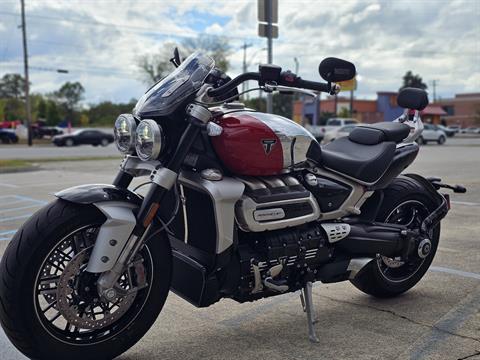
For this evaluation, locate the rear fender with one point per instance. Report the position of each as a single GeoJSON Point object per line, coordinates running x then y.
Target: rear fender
{"type": "Point", "coordinates": [118, 205]}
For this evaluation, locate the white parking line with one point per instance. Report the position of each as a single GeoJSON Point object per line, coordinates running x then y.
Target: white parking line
{"type": "Point", "coordinates": [455, 272]}
{"type": "Point", "coordinates": [9, 185]}
{"type": "Point", "coordinates": [466, 203]}
{"type": "Point", "coordinates": [20, 208]}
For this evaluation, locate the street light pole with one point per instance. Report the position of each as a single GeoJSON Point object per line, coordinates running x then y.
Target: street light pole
{"type": "Point", "coordinates": [245, 46]}
{"type": "Point", "coordinates": [27, 85]}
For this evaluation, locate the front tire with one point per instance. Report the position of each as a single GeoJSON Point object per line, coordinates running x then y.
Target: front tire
{"type": "Point", "coordinates": [377, 278]}
{"type": "Point", "coordinates": [23, 264]}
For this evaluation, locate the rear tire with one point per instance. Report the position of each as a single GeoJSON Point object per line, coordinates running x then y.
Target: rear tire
{"type": "Point", "coordinates": [21, 315]}
{"type": "Point", "coordinates": [371, 279]}
{"type": "Point", "coordinates": [441, 140]}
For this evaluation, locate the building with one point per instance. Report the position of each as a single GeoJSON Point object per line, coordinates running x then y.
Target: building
{"type": "Point", "coordinates": [463, 110]}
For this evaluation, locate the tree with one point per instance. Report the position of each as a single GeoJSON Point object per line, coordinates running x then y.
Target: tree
{"type": "Point", "coordinates": [154, 67]}
{"type": "Point", "coordinates": [415, 81]}
{"type": "Point", "coordinates": [42, 109]}
{"type": "Point", "coordinates": [68, 96]}
{"type": "Point", "coordinates": [12, 86]}
{"type": "Point", "coordinates": [52, 114]}
{"type": "Point", "coordinates": [282, 105]}
{"type": "Point", "coordinates": [216, 47]}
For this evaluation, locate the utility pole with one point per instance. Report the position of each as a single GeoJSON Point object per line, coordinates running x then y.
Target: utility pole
{"type": "Point", "coordinates": [269, 9]}
{"type": "Point", "coordinates": [268, 18]}
{"type": "Point", "coordinates": [27, 85]}
{"type": "Point", "coordinates": [245, 46]}
{"type": "Point", "coordinates": [434, 85]}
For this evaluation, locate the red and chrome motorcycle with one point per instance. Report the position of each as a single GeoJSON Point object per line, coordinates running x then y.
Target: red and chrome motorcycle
{"type": "Point", "coordinates": [241, 205]}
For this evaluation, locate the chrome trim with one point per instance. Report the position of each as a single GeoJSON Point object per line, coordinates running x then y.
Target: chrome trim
{"type": "Point", "coordinates": [224, 194]}
{"type": "Point", "coordinates": [164, 177]}
{"type": "Point", "coordinates": [246, 207]}
{"type": "Point", "coordinates": [136, 167]}
{"type": "Point", "coordinates": [157, 141]}
{"type": "Point", "coordinates": [294, 138]}
{"type": "Point", "coordinates": [336, 231]}
{"type": "Point", "coordinates": [199, 113]}
{"type": "Point", "coordinates": [183, 199]}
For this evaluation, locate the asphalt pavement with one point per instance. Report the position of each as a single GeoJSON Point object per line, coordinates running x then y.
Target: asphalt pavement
{"type": "Point", "coordinates": [438, 319]}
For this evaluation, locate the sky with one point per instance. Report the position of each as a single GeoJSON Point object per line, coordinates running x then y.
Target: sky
{"type": "Point", "coordinates": [99, 42]}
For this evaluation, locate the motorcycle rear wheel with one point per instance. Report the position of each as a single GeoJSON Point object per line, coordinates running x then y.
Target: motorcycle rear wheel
{"type": "Point", "coordinates": [405, 202]}
{"type": "Point", "coordinates": [31, 274]}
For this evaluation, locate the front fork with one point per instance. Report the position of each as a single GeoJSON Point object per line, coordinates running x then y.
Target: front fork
{"type": "Point", "coordinates": [163, 179]}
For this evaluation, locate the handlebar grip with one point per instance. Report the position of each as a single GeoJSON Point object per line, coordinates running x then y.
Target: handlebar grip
{"type": "Point", "coordinates": [312, 85]}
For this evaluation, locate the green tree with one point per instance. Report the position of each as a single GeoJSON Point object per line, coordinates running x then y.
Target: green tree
{"type": "Point", "coordinates": [68, 97]}
{"type": "Point", "coordinates": [282, 104]}
{"type": "Point", "coordinates": [42, 109]}
{"type": "Point", "coordinates": [52, 114]}
{"type": "Point", "coordinates": [12, 86]}
{"type": "Point", "coordinates": [411, 80]}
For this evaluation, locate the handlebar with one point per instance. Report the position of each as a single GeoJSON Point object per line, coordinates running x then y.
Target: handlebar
{"type": "Point", "coordinates": [285, 78]}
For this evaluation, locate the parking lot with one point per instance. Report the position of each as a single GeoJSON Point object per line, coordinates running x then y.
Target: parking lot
{"type": "Point", "coordinates": [438, 319]}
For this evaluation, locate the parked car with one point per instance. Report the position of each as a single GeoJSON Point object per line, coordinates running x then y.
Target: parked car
{"type": "Point", "coordinates": [472, 130]}
{"type": "Point", "coordinates": [333, 123]}
{"type": "Point", "coordinates": [432, 133]}
{"type": "Point", "coordinates": [449, 132]}
{"type": "Point", "coordinates": [83, 137]}
{"type": "Point", "coordinates": [8, 136]}
{"type": "Point", "coordinates": [338, 132]}
{"type": "Point", "coordinates": [455, 128]}
{"type": "Point", "coordinates": [39, 132]}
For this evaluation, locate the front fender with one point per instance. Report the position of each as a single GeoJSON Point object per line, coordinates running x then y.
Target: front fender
{"type": "Point", "coordinates": [118, 205]}
{"type": "Point", "coordinates": [96, 193]}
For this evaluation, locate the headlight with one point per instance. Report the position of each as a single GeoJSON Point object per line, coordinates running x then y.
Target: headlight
{"type": "Point", "coordinates": [149, 140]}
{"type": "Point", "coordinates": [124, 131]}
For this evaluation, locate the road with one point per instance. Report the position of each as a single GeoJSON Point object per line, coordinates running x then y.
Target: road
{"type": "Point", "coordinates": [438, 319]}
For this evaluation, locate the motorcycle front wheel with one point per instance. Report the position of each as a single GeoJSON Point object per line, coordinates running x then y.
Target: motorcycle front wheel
{"type": "Point", "coordinates": [49, 305]}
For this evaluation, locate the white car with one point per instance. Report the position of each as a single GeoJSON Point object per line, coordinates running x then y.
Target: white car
{"type": "Point", "coordinates": [432, 133]}
{"type": "Point", "coordinates": [338, 132]}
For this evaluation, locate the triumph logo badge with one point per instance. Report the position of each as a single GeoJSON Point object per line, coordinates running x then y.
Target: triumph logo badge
{"type": "Point", "coordinates": [268, 145]}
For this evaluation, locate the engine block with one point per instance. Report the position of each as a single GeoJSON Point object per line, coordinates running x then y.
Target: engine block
{"type": "Point", "coordinates": [300, 251]}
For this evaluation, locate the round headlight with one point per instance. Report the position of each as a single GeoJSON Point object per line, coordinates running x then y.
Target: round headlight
{"type": "Point", "coordinates": [124, 132]}
{"type": "Point", "coordinates": [149, 140]}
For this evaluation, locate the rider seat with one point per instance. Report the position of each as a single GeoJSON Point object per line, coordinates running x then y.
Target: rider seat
{"type": "Point", "coordinates": [366, 153]}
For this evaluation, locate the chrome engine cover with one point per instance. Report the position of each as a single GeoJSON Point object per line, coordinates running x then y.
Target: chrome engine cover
{"type": "Point", "coordinates": [274, 202]}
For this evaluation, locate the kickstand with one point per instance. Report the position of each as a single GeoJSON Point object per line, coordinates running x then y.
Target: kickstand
{"type": "Point", "coordinates": [307, 304]}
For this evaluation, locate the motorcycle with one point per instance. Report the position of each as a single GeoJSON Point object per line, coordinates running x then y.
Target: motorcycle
{"type": "Point", "coordinates": [240, 204]}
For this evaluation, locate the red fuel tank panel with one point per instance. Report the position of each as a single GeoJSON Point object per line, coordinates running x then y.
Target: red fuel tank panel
{"type": "Point", "coordinates": [248, 146]}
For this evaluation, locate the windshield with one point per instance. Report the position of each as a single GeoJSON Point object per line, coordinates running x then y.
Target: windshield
{"type": "Point", "coordinates": [163, 98]}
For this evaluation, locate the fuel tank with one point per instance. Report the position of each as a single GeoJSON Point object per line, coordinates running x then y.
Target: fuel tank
{"type": "Point", "coordinates": [259, 144]}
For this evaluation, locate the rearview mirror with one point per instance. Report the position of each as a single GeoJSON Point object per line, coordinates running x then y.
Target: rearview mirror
{"type": "Point", "coordinates": [334, 70]}
{"type": "Point", "coordinates": [175, 60]}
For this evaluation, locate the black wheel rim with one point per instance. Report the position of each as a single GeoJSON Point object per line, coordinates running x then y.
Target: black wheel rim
{"type": "Point", "coordinates": [46, 296]}
{"type": "Point", "coordinates": [411, 214]}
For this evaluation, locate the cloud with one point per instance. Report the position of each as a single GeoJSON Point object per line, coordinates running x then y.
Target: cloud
{"type": "Point", "coordinates": [100, 42]}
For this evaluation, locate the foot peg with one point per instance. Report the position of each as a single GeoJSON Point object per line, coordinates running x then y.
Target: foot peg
{"type": "Point", "coordinates": [271, 283]}
{"type": "Point", "coordinates": [307, 304]}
